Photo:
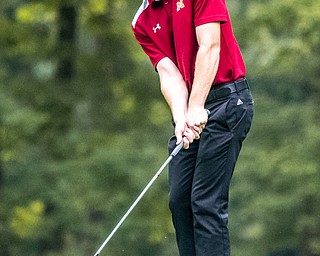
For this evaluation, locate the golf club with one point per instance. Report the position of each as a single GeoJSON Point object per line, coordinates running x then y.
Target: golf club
{"type": "Point", "coordinates": [172, 155]}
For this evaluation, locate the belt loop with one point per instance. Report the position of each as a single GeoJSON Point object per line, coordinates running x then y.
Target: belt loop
{"type": "Point", "coordinates": [236, 86]}
{"type": "Point", "coordinates": [247, 83]}
{"type": "Point", "coordinates": [244, 80]}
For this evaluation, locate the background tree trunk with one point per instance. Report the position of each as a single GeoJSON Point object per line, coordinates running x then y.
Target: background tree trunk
{"type": "Point", "coordinates": [67, 23]}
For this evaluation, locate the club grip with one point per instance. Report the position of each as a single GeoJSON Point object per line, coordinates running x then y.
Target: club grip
{"type": "Point", "coordinates": [177, 149]}
{"type": "Point", "coordinates": [179, 146]}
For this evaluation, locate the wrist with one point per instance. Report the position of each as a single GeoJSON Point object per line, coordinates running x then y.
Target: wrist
{"type": "Point", "coordinates": [196, 102]}
{"type": "Point", "coordinates": [179, 112]}
{"type": "Point", "coordinates": [195, 106]}
{"type": "Point", "coordinates": [179, 119]}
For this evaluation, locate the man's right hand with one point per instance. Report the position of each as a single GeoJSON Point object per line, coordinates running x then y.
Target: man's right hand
{"type": "Point", "coordinates": [183, 132]}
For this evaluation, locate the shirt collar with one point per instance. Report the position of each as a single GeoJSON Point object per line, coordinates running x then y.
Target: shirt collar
{"type": "Point", "coordinates": [156, 3]}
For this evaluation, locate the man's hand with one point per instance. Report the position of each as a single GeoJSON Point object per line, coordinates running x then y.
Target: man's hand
{"type": "Point", "coordinates": [191, 128]}
{"type": "Point", "coordinates": [183, 132]}
{"type": "Point", "coordinates": [197, 118]}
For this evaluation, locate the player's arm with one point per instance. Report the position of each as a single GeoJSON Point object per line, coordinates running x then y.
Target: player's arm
{"type": "Point", "coordinates": [172, 87]}
{"type": "Point", "coordinates": [175, 92]}
{"type": "Point", "coordinates": [207, 61]}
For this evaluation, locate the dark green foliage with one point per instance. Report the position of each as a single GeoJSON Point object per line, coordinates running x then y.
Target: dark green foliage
{"type": "Point", "coordinates": [83, 128]}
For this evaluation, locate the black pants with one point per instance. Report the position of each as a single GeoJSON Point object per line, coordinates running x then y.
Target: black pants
{"type": "Point", "coordinates": [199, 177]}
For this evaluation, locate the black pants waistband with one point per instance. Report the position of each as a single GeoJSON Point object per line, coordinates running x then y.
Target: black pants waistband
{"type": "Point", "coordinates": [223, 90]}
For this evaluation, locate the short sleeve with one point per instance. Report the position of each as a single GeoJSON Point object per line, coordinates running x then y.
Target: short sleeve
{"type": "Point", "coordinates": [206, 11]}
{"type": "Point", "coordinates": [150, 48]}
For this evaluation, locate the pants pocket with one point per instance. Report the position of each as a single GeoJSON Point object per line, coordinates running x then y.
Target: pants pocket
{"type": "Point", "coordinates": [239, 113]}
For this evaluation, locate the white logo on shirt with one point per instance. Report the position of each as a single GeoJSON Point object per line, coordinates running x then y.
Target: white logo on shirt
{"type": "Point", "coordinates": [180, 5]}
{"type": "Point", "coordinates": [158, 27]}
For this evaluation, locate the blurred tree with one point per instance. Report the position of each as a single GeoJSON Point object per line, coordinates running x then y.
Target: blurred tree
{"type": "Point", "coordinates": [67, 24]}
{"type": "Point", "coordinates": [279, 169]}
{"type": "Point", "coordinates": [274, 192]}
{"type": "Point", "coordinates": [280, 42]}
{"type": "Point", "coordinates": [82, 118]}
{"type": "Point", "coordinates": [62, 162]}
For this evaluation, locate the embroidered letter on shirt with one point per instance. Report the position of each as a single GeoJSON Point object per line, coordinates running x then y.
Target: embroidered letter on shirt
{"type": "Point", "coordinates": [180, 5]}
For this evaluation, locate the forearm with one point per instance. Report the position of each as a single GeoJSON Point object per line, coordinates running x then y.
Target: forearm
{"type": "Point", "coordinates": [206, 66]}
{"type": "Point", "coordinates": [173, 89]}
{"type": "Point", "coordinates": [175, 92]}
{"type": "Point", "coordinates": [176, 97]}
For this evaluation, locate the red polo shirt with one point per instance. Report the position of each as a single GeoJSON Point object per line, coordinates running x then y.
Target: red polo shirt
{"type": "Point", "coordinates": [166, 28]}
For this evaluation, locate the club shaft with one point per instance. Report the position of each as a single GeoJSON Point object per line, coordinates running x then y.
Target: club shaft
{"type": "Point", "coordinates": [173, 154]}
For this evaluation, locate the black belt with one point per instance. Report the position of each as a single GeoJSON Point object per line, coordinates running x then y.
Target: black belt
{"type": "Point", "coordinates": [223, 90]}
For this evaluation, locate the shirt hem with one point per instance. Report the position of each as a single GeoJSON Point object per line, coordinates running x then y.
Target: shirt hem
{"type": "Point", "coordinates": [216, 18]}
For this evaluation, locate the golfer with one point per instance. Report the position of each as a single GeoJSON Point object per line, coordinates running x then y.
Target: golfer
{"type": "Point", "coordinates": [192, 47]}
